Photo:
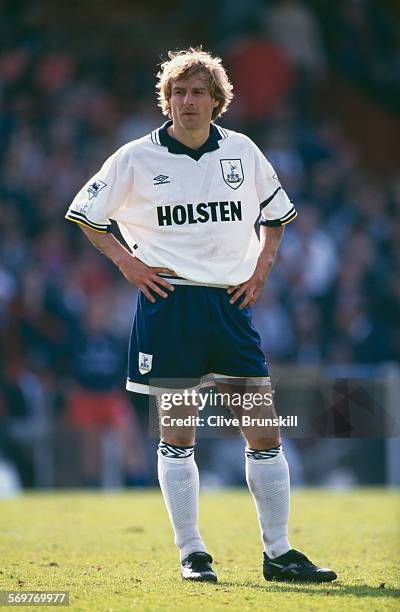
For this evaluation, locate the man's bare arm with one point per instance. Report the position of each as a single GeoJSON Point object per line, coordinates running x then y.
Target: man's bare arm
{"type": "Point", "coordinates": [270, 238]}
{"type": "Point", "coordinates": [135, 271]}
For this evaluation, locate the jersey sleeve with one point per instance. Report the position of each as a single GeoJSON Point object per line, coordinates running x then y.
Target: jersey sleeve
{"type": "Point", "coordinates": [95, 204]}
{"type": "Point", "coordinates": [275, 206]}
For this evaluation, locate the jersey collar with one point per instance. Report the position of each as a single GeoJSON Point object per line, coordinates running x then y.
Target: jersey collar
{"type": "Point", "coordinates": [174, 146]}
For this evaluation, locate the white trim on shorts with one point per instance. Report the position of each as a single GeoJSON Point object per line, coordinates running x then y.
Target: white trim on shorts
{"type": "Point", "coordinates": [203, 382]}
{"type": "Point", "coordinates": [183, 281]}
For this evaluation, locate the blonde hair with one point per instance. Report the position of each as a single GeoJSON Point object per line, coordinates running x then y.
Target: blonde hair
{"type": "Point", "coordinates": [186, 63]}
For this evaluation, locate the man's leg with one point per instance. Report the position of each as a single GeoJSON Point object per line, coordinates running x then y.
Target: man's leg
{"type": "Point", "coordinates": [267, 476]}
{"type": "Point", "coordinates": [179, 481]}
{"type": "Point", "coordinates": [267, 472]}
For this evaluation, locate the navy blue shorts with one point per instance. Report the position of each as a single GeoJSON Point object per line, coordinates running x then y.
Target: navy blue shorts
{"type": "Point", "coordinates": [193, 333]}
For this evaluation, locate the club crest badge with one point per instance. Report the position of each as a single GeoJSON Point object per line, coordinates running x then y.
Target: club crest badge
{"type": "Point", "coordinates": [232, 172]}
{"type": "Point", "coordinates": [94, 188]}
{"type": "Point", "coordinates": [145, 363]}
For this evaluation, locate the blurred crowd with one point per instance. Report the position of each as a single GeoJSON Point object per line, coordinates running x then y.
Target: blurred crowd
{"type": "Point", "coordinates": [73, 88]}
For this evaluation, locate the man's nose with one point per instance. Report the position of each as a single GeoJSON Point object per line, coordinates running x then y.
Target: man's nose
{"type": "Point", "coordinates": [188, 98]}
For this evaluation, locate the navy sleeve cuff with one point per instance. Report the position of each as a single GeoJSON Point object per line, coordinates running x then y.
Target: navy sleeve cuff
{"type": "Point", "coordinates": [292, 214]}
{"type": "Point", "coordinates": [80, 218]}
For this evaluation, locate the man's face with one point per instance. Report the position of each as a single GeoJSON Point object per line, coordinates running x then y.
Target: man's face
{"type": "Point", "coordinates": [191, 103]}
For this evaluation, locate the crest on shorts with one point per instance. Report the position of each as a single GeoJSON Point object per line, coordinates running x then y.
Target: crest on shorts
{"type": "Point", "coordinates": [232, 172]}
{"type": "Point", "coordinates": [145, 363]}
{"type": "Point", "coordinates": [94, 188]}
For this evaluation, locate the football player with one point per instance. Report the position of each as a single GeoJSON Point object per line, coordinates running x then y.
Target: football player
{"type": "Point", "coordinates": [186, 199]}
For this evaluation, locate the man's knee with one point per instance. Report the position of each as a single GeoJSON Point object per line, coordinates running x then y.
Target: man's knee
{"type": "Point", "coordinates": [262, 442]}
{"type": "Point", "coordinates": [178, 438]}
{"type": "Point", "coordinates": [173, 429]}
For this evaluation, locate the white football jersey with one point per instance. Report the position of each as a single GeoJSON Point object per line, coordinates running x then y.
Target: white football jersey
{"type": "Point", "coordinates": [192, 211]}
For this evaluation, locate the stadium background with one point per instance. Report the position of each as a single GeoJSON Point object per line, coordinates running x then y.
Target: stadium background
{"type": "Point", "coordinates": [317, 87]}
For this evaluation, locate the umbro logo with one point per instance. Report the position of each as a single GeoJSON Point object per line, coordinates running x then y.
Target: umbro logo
{"type": "Point", "coordinates": [161, 179]}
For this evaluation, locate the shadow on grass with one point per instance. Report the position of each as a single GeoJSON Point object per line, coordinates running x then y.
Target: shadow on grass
{"type": "Point", "coordinates": [335, 588]}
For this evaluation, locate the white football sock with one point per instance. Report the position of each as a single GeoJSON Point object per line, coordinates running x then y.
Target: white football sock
{"type": "Point", "coordinates": [267, 475]}
{"type": "Point", "coordinates": [179, 481]}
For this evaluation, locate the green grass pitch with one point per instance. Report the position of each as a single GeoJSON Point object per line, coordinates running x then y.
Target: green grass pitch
{"type": "Point", "coordinates": [115, 551]}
